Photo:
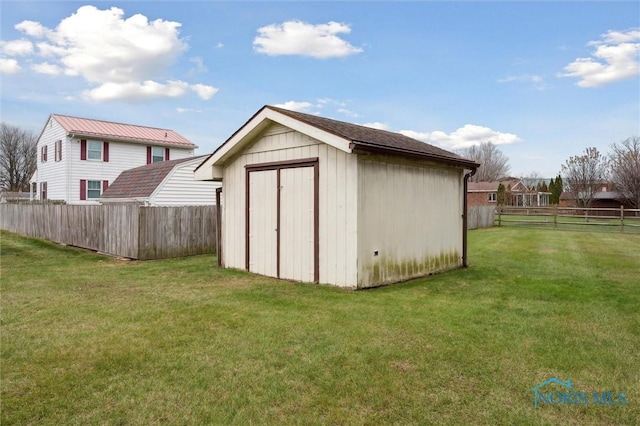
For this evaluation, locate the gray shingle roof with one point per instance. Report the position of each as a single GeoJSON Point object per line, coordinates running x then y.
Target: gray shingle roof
{"type": "Point", "coordinates": [369, 139]}
{"type": "Point", "coordinates": [141, 181]}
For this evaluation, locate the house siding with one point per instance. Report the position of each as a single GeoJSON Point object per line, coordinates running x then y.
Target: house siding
{"type": "Point", "coordinates": [180, 189]}
{"type": "Point", "coordinates": [51, 171]}
{"type": "Point", "coordinates": [409, 220]}
{"type": "Point", "coordinates": [337, 200]}
{"type": "Point", "coordinates": [122, 156]}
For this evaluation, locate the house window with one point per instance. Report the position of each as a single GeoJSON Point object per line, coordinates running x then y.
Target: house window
{"type": "Point", "coordinates": [43, 190]}
{"type": "Point", "coordinates": [157, 154]}
{"type": "Point", "coordinates": [58, 151]}
{"type": "Point", "coordinates": [493, 197]}
{"type": "Point", "coordinates": [43, 154]}
{"type": "Point", "coordinates": [94, 189]}
{"type": "Point", "coordinates": [94, 150]}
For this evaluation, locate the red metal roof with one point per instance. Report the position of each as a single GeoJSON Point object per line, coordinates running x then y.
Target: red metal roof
{"type": "Point", "coordinates": [119, 131]}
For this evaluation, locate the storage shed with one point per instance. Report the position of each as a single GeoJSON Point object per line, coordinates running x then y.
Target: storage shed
{"type": "Point", "coordinates": [312, 199]}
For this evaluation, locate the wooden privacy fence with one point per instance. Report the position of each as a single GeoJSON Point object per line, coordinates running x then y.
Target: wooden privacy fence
{"type": "Point", "coordinates": [555, 217]}
{"type": "Point", "coordinates": [131, 231]}
{"type": "Point", "coordinates": [480, 216]}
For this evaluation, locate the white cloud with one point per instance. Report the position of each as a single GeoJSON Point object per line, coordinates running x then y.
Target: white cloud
{"type": "Point", "coordinates": [464, 137]}
{"type": "Point", "coordinates": [199, 67]}
{"type": "Point", "coordinates": [9, 66]}
{"type": "Point", "coordinates": [203, 91]}
{"type": "Point", "coordinates": [616, 57]}
{"type": "Point", "coordinates": [348, 113]}
{"type": "Point", "coordinates": [17, 47]}
{"type": "Point", "coordinates": [34, 29]}
{"type": "Point", "coordinates": [377, 125]}
{"type": "Point", "coordinates": [120, 57]}
{"type": "Point", "coordinates": [134, 91]}
{"type": "Point", "coordinates": [47, 68]}
{"type": "Point", "coordinates": [295, 106]}
{"type": "Point", "coordinates": [185, 110]}
{"type": "Point", "coordinates": [537, 81]}
{"type": "Point", "coordinates": [301, 38]}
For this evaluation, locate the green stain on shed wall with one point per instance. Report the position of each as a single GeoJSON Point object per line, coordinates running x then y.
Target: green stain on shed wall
{"type": "Point", "coordinates": [386, 270]}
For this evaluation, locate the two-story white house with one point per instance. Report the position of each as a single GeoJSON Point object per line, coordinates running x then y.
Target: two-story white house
{"type": "Point", "coordinates": [79, 157]}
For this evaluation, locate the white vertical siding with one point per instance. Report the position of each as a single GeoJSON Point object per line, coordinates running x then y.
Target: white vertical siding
{"type": "Point", "coordinates": [411, 215]}
{"type": "Point", "coordinates": [180, 188]}
{"type": "Point", "coordinates": [337, 201]}
{"type": "Point", "coordinates": [53, 172]}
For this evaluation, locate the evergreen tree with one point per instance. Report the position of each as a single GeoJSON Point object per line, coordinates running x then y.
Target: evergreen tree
{"type": "Point", "coordinates": [552, 190]}
{"type": "Point", "coordinates": [543, 187]}
{"type": "Point", "coordinates": [557, 190]}
{"type": "Point", "coordinates": [500, 196]}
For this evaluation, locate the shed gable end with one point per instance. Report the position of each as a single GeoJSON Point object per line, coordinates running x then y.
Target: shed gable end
{"type": "Point", "coordinates": [278, 137]}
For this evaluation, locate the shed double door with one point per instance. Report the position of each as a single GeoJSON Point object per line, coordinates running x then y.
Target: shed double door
{"type": "Point", "coordinates": [282, 221]}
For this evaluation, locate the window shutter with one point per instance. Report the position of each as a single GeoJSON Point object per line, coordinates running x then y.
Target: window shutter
{"type": "Point", "coordinates": [105, 152]}
{"type": "Point", "coordinates": [83, 149]}
{"type": "Point", "coordinates": [105, 185]}
{"type": "Point", "coordinates": [83, 189]}
{"type": "Point", "coordinates": [148, 155]}
{"type": "Point", "coordinates": [58, 150]}
{"type": "Point", "coordinates": [44, 153]}
{"type": "Point", "coordinates": [166, 154]}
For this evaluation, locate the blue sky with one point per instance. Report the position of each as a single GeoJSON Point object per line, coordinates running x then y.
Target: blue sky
{"type": "Point", "coordinates": [543, 80]}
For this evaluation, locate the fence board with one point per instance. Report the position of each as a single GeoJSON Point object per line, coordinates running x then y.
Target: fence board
{"type": "Point", "coordinates": [122, 230]}
{"type": "Point", "coordinates": [480, 216]}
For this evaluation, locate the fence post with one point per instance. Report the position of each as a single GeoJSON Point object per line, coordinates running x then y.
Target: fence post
{"type": "Point", "coordinates": [499, 216]}
{"type": "Point", "coordinates": [621, 218]}
{"type": "Point", "coordinates": [555, 216]}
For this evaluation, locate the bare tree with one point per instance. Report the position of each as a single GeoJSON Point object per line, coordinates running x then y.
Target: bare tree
{"type": "Point", "coordinates": [584, 175]}
{"type": "Point", "coordinates": [625, 169]}
{"type": "Point", "coordinates": [494, 165]}
{"type": "Point", "coordinates": [18, 157]}
{"type": "Point", "coordinates": [531, 180]}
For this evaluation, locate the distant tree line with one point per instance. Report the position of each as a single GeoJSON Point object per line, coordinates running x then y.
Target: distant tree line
{"type": "Point", "coordinates": [587, 173]}
{"type": "Point", "coordinates": [18, 158]}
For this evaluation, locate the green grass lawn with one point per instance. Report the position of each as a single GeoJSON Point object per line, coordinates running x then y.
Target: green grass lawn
{"type": "Point", "coordinates": [88, 339]}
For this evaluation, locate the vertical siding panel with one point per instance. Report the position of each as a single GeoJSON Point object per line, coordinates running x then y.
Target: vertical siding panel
{"type": "Point", "coordinates": [350, 258]}
{"type": "Point", "coordinates": [341, 229]}
{"type": "Point", "coordinates": [332, 214]}
{"type": "Point", "coordinates": [427, 239]}
{"type": "Point", "coordinates": [323, 209]}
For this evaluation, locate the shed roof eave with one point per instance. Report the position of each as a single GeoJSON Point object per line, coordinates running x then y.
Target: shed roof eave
{"type": "Point", "coordinates": [358, 146]}
{"type": "Point", "coordinates": [256, 124]}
